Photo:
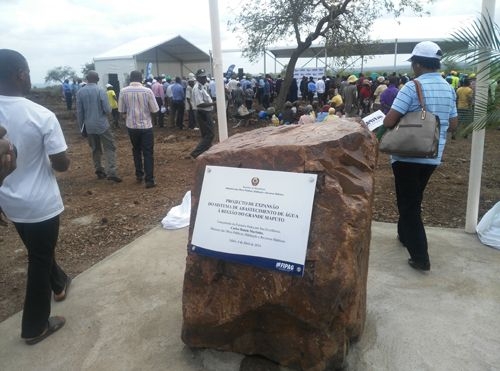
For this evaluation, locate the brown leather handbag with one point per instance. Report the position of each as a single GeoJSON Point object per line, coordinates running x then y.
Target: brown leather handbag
{"type": "Point", "coordinates": [415, 135]}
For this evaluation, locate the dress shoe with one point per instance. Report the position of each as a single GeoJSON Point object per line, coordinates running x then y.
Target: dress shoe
{"type": "Point", "coordinates": [419, 266]}
{"type": "Point", "coordinates": [115, 179]}
{"type": "Point", "coordinates": [150, 184]}
{"type": "Point", "coordinates": [100, 175]}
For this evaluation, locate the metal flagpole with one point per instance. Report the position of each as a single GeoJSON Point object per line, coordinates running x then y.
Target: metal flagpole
{"type": "Point", "coordinates": [218, 74]}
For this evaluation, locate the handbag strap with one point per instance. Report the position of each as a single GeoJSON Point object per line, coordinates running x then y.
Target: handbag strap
{"type": "Point", "coordinates": [418, 88]}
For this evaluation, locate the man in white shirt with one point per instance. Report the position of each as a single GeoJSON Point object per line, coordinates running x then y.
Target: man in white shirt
{"type": "Point", "coordinates": [204, 106]}
{"type": "Point", "coordinates": [30, 196]}
{"type": "Point", "coordinates": [320, 90]}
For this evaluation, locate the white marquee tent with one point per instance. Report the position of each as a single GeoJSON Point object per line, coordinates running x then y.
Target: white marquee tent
{"type": "Point", "coordinates": [174, 57]}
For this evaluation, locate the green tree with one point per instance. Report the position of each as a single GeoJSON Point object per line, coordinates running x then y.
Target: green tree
{"type": "Point", "coordinates": [483, 39]}
{"type": "Point", "coordinates": [88, 67]}
{"type": "Point", "coordinates": [59, 74]}
{"type": "Point", "coordinates": [337, 22]}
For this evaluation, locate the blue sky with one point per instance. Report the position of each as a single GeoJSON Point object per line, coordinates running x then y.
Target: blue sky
{"type": "Point", "coordinates": [72, 32]}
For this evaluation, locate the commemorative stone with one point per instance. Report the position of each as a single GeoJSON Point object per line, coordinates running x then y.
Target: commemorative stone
{"type": "Point", "coordinates": [303, 322]}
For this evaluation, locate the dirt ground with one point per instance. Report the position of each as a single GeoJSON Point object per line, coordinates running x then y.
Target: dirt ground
{"type": "Point", "coordinates": [101, 216]}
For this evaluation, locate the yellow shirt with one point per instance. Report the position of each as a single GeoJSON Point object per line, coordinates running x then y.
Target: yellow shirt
{"type": "Point", "coordinates": [336, 100]}
{"type": "Point", "coordinates": [112, 99]}
{"type": "Point", "coordinates": [464, 97]}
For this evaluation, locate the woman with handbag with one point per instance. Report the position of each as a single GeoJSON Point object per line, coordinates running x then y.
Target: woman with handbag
{"type": "Point", "coordinates": [411, 174]}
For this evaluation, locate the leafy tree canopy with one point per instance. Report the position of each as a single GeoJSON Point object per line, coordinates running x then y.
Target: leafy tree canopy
{"type": "Point", "coordinates": [59, 74]}
{"type": "Point", "coordinates": [268, 22]}
{"type": "Point", "coordinates": [88, 67]}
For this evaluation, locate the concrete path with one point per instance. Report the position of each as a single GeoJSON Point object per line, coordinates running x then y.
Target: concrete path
{"type": "Point", "coordinates": [124, 313]}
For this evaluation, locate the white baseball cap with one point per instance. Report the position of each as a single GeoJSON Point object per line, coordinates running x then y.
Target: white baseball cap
{"type": "Point", "coordinates": [426, 49]}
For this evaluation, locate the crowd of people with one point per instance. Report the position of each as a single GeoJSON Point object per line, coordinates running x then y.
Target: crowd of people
{"type": "Point", "coordinates": [348, 96]}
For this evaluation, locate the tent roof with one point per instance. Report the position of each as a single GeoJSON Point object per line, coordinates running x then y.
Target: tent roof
{"type": "Point", "coordinates": [376, 48]}
{"type": "Point", "coordinates": [176, 49]}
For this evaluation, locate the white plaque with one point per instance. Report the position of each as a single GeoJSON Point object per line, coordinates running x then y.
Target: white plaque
{"type": "Point", "coordinates": [255, 217]}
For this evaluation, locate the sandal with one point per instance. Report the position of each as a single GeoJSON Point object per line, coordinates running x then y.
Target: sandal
{"type": "Point", "coordinates": [53, 324]}
{"type": "Point", "coordinates": [62, 295]}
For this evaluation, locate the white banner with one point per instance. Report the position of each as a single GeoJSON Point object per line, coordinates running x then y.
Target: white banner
{"type": "Point", "coordinates": [315, 72]}
{"type": "Point", "coordinates": [255, 217]}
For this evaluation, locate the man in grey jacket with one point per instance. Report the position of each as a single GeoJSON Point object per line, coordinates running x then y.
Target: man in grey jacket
{"type": "Point", "coordinates": [92, 113]}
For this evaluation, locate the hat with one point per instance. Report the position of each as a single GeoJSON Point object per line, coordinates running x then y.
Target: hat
{"type": "Point", "coordinates": [426, 49]}
{"type": "Point", "coordinates": [331, 111]}
{"type": "Point", "coordinates": [201, 73]}
{"type": "Point", "coordinates": [109, 85]}
{"type": "Point", "coordinates": [192, 78]}
{"type": "Point", "coordinates": [381, 79]}
{"type": "Point", "coordinates": [366, 82]}
{"type": "Point", "coordinates": [352, 78]}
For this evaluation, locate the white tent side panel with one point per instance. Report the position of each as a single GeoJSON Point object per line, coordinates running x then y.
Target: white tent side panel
{"type": "Point", "coordinates": [121, 67]}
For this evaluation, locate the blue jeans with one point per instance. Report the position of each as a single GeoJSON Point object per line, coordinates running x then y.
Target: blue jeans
{"type": "Point", "coordinates": [410, 180]}
{"type": "Point", "coordinates": [142, 150]}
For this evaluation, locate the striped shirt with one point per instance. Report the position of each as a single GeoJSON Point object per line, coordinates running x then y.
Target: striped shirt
{"type": "Point", "coordinates": [138, 102]}
{"type": "Point", "coordinates": [439, 98]}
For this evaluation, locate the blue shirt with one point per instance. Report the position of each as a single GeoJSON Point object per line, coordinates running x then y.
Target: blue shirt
{"type": "Point", "coordinates": [178, 93]}
{"type": "Point", "coordinates": [66, 88]}
{"type": "Point", "coordinates": [311, 86]}
{"type": "Point", "coordinates": [439, 98]}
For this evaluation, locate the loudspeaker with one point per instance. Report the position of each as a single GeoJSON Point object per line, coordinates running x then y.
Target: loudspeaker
{"type": "Point", "coordinates": [240, 73]}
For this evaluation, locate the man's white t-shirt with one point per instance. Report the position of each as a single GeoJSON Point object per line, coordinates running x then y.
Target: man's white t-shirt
{"type": "Point", "coordinates": [31, 194]}
{"type": "Point", "coordinates": [320, 86]}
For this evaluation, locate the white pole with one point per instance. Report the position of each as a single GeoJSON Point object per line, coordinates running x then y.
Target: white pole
{"type": "Point", "coordinates": [217, 65]}
{"type": "Point", "coordinates": [477, 149]}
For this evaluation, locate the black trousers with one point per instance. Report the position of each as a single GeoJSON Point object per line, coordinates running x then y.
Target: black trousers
{"type": "Point", "coordinates": [410, 180]}
{"type": "Point", "coordinates": [204, 119]}
{"type": "Point", "coordinates": [44, 275]}
{"type": "Point", "coordinates": [69, 100]}
{"type": "Point", "coordinates": [142, 150]}
{"type": "Point", "coordinates": [178, 113]}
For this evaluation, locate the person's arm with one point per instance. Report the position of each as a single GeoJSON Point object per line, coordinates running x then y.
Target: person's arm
{"type": "Point", "coordinates": [392, 118]}
{"type": "Point", "coordinates": [453, 124]}
{"type": "Point", "coordinates": [153, 104]}
{"type": "Point", "coordinates": [7, 159]}
{"type": "Point", "coordinates": [59, 161]}
{"type": "Point", "coordinates": [104, 101]}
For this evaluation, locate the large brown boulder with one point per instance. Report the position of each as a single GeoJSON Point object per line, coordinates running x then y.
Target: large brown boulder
{"type": "Point", "coordinates": [301, 322]}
